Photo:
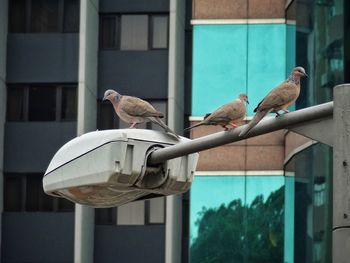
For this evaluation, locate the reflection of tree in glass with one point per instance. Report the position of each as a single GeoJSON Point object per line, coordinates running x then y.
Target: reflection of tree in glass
{"type": "Point", "coordinates": [241, 233]}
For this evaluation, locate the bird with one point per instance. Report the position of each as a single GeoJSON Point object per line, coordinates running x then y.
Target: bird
{"type": "Point", "coordinates": [134, 110]}
{"type": "Point", "coordinates": [279, 98]}
{"type": "Point", "coordinates": [227, 115]}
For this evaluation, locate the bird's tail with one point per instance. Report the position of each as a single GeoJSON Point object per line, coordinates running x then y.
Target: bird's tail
{"type": "Point", "coordinates": [257, 117]}
{"type": "Point", "coordinates": [194, 126]}
{"type": "Point", "coordinates": [164, 126]}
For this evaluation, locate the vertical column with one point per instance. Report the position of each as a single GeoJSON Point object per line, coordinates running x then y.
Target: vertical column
{"type": "Point", "coordinates": [3, 43]}
{"type": "Point", "coordinates": [173, 229]}
{"type": "Point", "coordinates": [87, 95]}
{"type": "Point", "coordinates": [341, 174]}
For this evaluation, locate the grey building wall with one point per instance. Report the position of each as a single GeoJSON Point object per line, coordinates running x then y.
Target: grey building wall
{"type": "Point", "coordinates": [37, 237]}
{"type": "Point", "coordinates": [129, 244]}
{"type": "Point", "coordinates": [29, 146]}
{"type": "Point", "coordinates": [40, 58]}
{"type": "Point", "coordinates": [127, 6]}
{"type": "Point", "coordinates": [138, 73]}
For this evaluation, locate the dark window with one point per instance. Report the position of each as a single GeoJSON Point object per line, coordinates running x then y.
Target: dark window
{"type": "Point", "coordinates": [69, 104]}
{"type": "Point", "coordinates": [44, 16]}
{"type": "Point", "coordinates": [41, 103]}
{"type": "Point", "coordinates": [16, 104]}
{"type": "Point", "coordinates": [17, 21]}
{"type": "Point", "coordinates": [39, 16]}
{"type": "Point", "coordinates": [36, 199]}
{"type": "Point", "coordinates": [13, 193]}
{"type": "Point", "coordinates": [109, 32]}
{"type": "Point", "coordinates": [106, 216]}
{"type": "Point", "coordinates": [134, 32]}
{"type": "Point", "coordinates": [24, 192]}
{"type": "Point", "coordinates": [71, 16]}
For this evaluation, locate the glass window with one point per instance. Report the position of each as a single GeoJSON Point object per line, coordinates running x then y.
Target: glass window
{"type": "Point", "coordinates": [69, 104]}
{"type": "Point", "coordinates": [134, 32]}
{"type": "Point", "coordinates": [13, 193]}
{"type": "Point", "coordinates": [36, 199]}
{"type": "Point", "coordinates": [71, 16]}
{"type": "Point", "coordinates": [18, 16]}
{"type": "Point", "coordinates": [237, 219]}
{"type": "Point", "coordinates": [24, 192]}
{"type": "Point", "coordinates": [156, 210]}
{"type": "Point", "coordinates": [109, 31]}
{"type": "Point", "coordinates": [159, 31]}
{"type": "Point", "coordinates": [105, 216]}
{"type": "Point", "coordinates": [15, 104]}
{"type": "Point", "coordinates": [44, 16]}
{"type": "Point", "coordinates": [42, 104]}
{"type": "Point", "coordinates": [131, 213]}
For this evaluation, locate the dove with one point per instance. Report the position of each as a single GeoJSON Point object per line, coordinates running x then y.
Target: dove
{"type": "Point", "coordinates": [282, 96]}
{"type": "Point", "coordinates": [227, 115]}
{"type": "Point", "coordinates": [134, 110]}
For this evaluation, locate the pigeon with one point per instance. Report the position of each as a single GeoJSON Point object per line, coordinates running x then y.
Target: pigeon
{"type": "Point", "coordinates": [227, 115]}
{"type": "Point", "coordinates": [282, 96]}
{"type": "Point", "coordinates": [134, 110]}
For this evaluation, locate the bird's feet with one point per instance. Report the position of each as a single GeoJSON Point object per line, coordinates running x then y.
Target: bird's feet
{"type": "Point", "coordinates": [132, 125]}
{"type": "Point", "coordinates": [286, 111]}
{"type": "Point", "coordinates": [230, 126]}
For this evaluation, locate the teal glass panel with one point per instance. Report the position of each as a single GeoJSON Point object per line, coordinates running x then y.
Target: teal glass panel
{"type": "Point", "coordinates": [224, 65]}
{"type": "Point", "coordinates": [290, 51]}
{"type": "Point", "coordinates": [211, 192]}
{"type": "Point", "coordinates": [266, 61]}
{"type": "Point", "coordinates": [237, 219]}
{"type": "Point", "coordinates": [265, 219]}
{"type": "Point", "coordinates": [289, 220]}
{"type": "Point", "coordinates": [219, 66]}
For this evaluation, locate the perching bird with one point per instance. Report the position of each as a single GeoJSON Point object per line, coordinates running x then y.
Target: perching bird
{"type": "Point", "coordinates": [227, 115]}
{"type": "Point", "coordinates": [134, 110]}
{"type": "Point", "coordinates": [282, 96]}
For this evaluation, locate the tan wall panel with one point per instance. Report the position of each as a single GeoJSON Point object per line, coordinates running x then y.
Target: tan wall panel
{"type": "Point", "coordinates": [266, 9]}
{"type": "Point", "coordinates": [237, 9]}
{"type": "Point", "coordinates": [224, 158]}
{"type": "Point", "coordinates": [219, 9]}
{"type": "Point", "coordinates": [265, 157]}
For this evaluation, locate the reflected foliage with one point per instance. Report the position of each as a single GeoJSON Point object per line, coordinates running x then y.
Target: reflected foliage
{"type": "Point", "coordinates": [241, 233]}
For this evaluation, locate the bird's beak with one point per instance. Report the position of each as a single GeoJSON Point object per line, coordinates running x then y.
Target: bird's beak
{"type": "Point", "coordinates": [247, 101]}
{"type": "Point", "coordinates": [104, 99]}
{"type": "Point", "coordinates": [306, 75]}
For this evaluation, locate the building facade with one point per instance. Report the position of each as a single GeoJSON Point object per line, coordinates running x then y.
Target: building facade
{"type": "Point", "coordinates": [264, 199]}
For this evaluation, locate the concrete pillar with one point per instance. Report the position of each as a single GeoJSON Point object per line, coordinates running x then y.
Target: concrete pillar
{"type": "Point", "coordinates": [87, 98]}
{"type": "Point", "coordinates": [176, 80]}
{"type": "Point", "coordinates": [341, 175]}
{"type": "Point", "coordinates": [3, 53]}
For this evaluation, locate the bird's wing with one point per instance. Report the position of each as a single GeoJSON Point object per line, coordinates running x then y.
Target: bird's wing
{"type": "Point", "coordinates": [228, 112]}
{"type": "Point", "coordinates": [279, 96]}
{"type": "Point", "coordinates": [137, 107]}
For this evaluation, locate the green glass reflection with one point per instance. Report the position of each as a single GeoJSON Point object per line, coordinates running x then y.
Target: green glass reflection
{"type": "Point", "coordinates": [312, 169]}
{"type": "Point", "coordinates": [237, 219]}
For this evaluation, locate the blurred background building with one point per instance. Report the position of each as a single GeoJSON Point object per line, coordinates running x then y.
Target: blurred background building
{"type": "Point", "coordinates": [265, 199]}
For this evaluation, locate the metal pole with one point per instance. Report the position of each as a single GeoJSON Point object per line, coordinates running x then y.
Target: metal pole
{"type": "Point", "coordinates": [313, 113]}
{"type": "Point", "coordinates": [341, 175]}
